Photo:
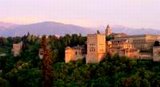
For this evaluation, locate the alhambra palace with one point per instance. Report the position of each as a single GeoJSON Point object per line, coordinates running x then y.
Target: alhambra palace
{"type": "Point", "coordinates": [131, 46]}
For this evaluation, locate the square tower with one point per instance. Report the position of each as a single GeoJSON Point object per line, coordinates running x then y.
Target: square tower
{"type": "Point", "coordinates": [108, 30]}
{"type": "Point", "coordinates": [96, 48]}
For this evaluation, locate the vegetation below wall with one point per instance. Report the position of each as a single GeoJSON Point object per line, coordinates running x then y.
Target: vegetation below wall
{"type": "Point", "coordinates": [112, 72]}
{"type": "Point", "coordinates": [25, 70]}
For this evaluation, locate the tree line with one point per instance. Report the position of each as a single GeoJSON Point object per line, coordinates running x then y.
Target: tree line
{"type": "Point", "coordinates": [25, 69]}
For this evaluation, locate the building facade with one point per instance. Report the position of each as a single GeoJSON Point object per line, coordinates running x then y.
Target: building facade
{"type": "Point", "coordinates": [16, 49]}
{"type": "Point", "coordinates": [74, 53]}
{"type": "Point", "coordinates": [96, 48]}
{"type": "Point", "coordinates": [141, 42]}
{"type": "Point", "coordinates": [122, 47]}
{"type": "Point", "coordinates": [156, 53]}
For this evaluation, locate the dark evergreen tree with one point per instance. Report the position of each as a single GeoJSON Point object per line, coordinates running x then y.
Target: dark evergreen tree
{"type": "Point", "coordinates": [156, 43]}
{"type": "Point", "coordinates": [46, 64]}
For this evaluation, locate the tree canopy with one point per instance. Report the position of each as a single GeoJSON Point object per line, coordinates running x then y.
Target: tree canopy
{"type": "Point", "coordinates": [25, 69]}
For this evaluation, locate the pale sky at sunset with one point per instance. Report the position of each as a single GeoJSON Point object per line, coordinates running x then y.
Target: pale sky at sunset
{"type": "Point", "coordinates": [88, 13]}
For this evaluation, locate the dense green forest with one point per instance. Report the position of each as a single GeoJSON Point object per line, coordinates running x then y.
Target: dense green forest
{"type": "Point", "coordinates": [25, 69]}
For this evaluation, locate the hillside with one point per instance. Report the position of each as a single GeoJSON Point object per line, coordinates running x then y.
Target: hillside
{"type": "Point", "coordinates": [47, 28]}
{"type": "Point", "coordinates": [54, 28]}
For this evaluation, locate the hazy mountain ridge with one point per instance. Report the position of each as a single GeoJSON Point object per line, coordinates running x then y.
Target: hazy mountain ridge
{"type": "Point", "coordinates": [47, 28]}
{"type": "Point", "coordinates": [4, 25]}
{"type": "Point", "coordinates": [54, 28]}
{"type": "Point", "coordinates": [133, 31]}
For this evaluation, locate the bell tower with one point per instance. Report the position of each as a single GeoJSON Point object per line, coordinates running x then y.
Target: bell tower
{"type": "Point", "coordinates": [108, 30]}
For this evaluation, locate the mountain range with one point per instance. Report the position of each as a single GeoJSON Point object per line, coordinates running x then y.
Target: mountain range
{"type": "Point", "coordinates": [54, 28]}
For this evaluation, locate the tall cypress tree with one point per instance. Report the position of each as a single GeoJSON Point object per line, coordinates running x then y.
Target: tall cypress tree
{"type": "Point", "coordinates": [46, 64]}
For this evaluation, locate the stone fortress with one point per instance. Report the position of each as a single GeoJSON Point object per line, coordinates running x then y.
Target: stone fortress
{"type": "Point", "coordinates": [132, 46]}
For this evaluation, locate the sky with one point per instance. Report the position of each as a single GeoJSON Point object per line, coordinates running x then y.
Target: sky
{"type": "Point", "coordinates": [87, 13]}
